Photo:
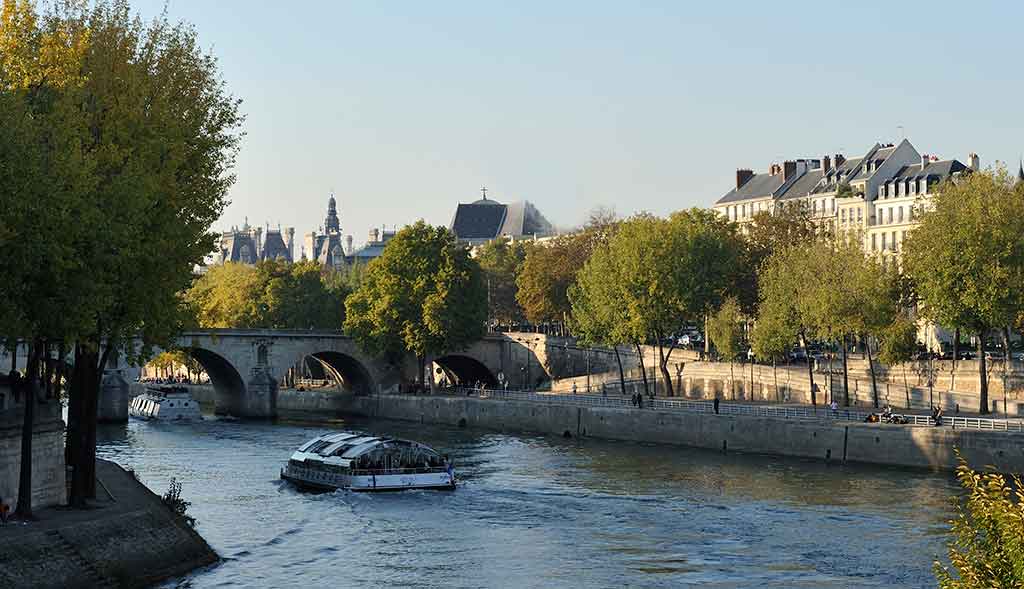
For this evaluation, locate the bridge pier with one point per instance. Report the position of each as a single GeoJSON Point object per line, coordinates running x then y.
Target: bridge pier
{"type": "Point", "coordinates": [261, 398]}
{"type": "Point", "coordinates": [114, 396]}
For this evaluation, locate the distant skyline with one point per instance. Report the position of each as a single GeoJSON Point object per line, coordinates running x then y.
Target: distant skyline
{"type": "Point", "coordinates": [406, 109]}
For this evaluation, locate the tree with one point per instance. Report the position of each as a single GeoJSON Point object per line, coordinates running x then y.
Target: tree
{"type": "Point", "coordinates": [424, 295]}
{"type": "Point", "coordinates": [898, 345]}
{"type": "Point", "coordinates": [598, 315]}
{"type": "Point", "coordinates": [967, 258]}
{"type": "Point", "coordinates": [500, 261]}
{"type": "Point", "coordinates": [228, 295]}
{"type": "Point", "coordinates": [136, 136]}
{"type": "Point", "coordinates": [725, 328]}
{"type": "Point", "coordinates": [772, 337]}
{"type": "Point", "coordinates": [987, 546]}
{"type": "Point", "coordinates": [550, 268]}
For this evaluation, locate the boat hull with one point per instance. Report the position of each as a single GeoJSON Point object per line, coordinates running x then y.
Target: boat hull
{"type": "Point", "coordinates": [326, 481]}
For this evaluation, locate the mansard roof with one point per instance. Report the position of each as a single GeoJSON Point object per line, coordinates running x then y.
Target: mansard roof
{"type": "Point", "coordinates": [274, 247]}
{"type": "Point", "coordinates": [940, 169]}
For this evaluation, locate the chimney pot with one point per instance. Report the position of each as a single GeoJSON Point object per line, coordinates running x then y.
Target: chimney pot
{"type": "Point", "coordinates": [826, 164]}
{"type": "Point", "coordinates": [838, 160]}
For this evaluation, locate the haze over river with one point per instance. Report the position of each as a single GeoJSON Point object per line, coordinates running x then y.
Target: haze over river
{"type": "Point", "coordinates": [542, 512]}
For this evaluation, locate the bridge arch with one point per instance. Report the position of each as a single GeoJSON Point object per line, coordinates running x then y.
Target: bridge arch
{"type": "Point", "coordinates": [228, 385]}
{"type": "Point", "coordinates": [463, 370]}
{"type": "Point", "coordinates": [346, 370]}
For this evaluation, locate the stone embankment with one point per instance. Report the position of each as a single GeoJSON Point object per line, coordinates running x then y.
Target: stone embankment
{"type": "Point", "coordinates": [131, 539]}
{"type": "Point", "coordinates": [834, 441]}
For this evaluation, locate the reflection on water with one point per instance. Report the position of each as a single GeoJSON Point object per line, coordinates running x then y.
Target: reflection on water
{"type": "Point", "coordinates": [543, 512]}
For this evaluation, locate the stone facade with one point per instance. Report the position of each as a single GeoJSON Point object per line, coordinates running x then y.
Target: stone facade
{"type": "Point", "coordinates": [48, 472]}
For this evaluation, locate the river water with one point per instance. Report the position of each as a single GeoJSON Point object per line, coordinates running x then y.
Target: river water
{"type": "Point", "coordinates": [536, 511]}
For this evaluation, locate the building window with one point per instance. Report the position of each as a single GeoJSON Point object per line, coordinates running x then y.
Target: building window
{"type": "Point", "coordinates": [900, 215]}
{"type": "Point", "coordinates": [842, 215]}
{"type": "Point", "coordinates": [874, 243]}
{"type": "Point", "coordinates": [910, 213]}
{"type": "Point", "coordinates": [859, 214]}
{"type": "Point", "coordinates": [832, 204]}
{"type": "Point", "coordinates": [743, 211]}
{"type": "Point", "coordinates": [883, 241]}
{"type": "Point", "coordinates": [893, 244]}
{"type": "Point", "coordinates": [890, 214]}
{"type": "Point", "coordinates": [903, 236]}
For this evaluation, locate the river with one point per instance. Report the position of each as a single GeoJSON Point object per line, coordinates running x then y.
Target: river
{"type": "Point", "coordinates": [536, 511]}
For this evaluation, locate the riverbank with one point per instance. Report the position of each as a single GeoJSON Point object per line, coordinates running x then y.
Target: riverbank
{"type": "Point", "coordinates": [129, 539]}
{"type": "Point", "coordinates": [827, 440]}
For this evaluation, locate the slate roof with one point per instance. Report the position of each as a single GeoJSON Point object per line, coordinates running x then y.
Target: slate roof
{"type": "Point", "coordinates": [803, 185]}
{"type": "Point", "coordinates": [759, 186]}
{"type": "Point", "coordinates": [482, 219]}
{"type": "Point", "coordinates": [234, 244]}
{"type": "Point", "coordinates": [942, 170]}
{"type": "Point", "coordinates": [274, 247]}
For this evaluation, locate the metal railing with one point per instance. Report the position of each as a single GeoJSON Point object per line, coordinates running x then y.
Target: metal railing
{"type": "Point", "coordinates": [732, 408]}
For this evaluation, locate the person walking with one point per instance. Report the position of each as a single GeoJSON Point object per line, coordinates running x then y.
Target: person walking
{"type": "Point", "coordinates": [574, 388]}
{"type": "Point", "coordinates": [835, 408]}
{"type": "Point", "coordinates": [715, 403]}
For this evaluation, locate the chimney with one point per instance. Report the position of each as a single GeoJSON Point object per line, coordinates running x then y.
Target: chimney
{"type": "Point", "coordinates": [839, 160]}
{"type": "Point", "coordinates": [973, 162]}
{"type": "Point", "coordinates": [742, 177]}
{"type": "Point", "coordinates": [924, 160]}
{"type": "Point", "coordinates": [788, 171]}
{"type": "Point", "coordinates": [348, 245]}
{"type": "Point", "coordinates": [826, 164]}
{"type": "Point", "coordinates": [374, 234]}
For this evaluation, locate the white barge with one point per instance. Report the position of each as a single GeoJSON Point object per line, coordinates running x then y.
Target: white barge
{"type": "Point", "coordinates": [167, 403]}
{"type": "Point", "coordinates": [367, 463]}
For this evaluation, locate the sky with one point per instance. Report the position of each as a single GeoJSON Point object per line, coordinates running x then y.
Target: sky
{"type": "Point", "coordinates": [404, 109]}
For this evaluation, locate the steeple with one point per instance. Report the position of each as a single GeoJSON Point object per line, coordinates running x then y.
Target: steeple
{"type": "Point", "coordinates": [331, 223]}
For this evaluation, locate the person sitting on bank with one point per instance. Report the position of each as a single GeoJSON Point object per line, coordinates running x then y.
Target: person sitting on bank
{"type": "Point", "coordinates": [937, 415]}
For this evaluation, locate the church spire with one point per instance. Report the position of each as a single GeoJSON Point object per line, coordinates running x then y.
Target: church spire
{"type": "Point", "coordinates": [331, 223]}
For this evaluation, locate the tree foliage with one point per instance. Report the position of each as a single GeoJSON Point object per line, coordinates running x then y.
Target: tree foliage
{"type": "Point", "coordinates": [967, 256]}
{"type": "Point", "coordinates": [987, 546]}
{"type": "Point", "coordinates": [725, 328]}
{"type": "Point", "coordinates": [272, 294]}
{"type": "Point", "coordinates": [424, 295]}
{"type": "Point", "coordinates": [501, 261]}
{"type": "Point", "coordinates": [118, 141]}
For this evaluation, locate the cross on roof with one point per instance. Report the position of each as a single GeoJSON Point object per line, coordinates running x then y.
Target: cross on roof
{"type": "Point", "coordinates": [484, 192]}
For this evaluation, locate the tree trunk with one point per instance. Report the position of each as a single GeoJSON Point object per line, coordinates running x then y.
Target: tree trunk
{"type": "Point", "coordinates": [663, 365]}
{"type": "Point", "coordinates": [421, 361]}
{"type": "Point", "coordinates": [846, 376]}
{"type": "Point", "coordinates": [983, 382]}
{"type": "Point", "coordinates": [956, 347]}
{"type": "Point", "coordinates": [810, 370]}
{"type": "Point", "coordinates": [732, 381]}
{"type": "Point", "coordinates": [622, 376]}
{"type": "Point", "coordinates": [73, 438]}
{"type": "Point", "coordinates": [643, 369]}
{"type": "Point", "coordinates": [707, 340]}
{"type": "Point", "coordinates": [906, 387]}
{"type": "Point", "coordinates": [871, 369]}
{"type": "Point", "coordinates": [775, 377]}
{"type": "Point", "coordinates": [30, 387]}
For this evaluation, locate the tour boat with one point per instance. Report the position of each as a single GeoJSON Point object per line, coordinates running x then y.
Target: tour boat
{"type": "Point", "coordinates": [366, 463]}
{"type": "Point", "coordinates": [165, 403]}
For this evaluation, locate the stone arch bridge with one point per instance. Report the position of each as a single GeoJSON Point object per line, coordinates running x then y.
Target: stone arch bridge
{"type": "Point", "coordinates": [247, 366]}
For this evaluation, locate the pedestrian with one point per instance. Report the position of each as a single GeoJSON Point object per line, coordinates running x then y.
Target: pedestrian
{"type": "Point", "coordinates": [604, 390]}
{"type": "Point", "coordinates": [639, 400]}
{"type": "Point", "coordinates": [14, 380]}
{"type": "Point", "coordinates": [835, 408]}
{"type": "Point", "coordinates": [574, 388]}
{"type": "Point", "coordinates": [715, 403]}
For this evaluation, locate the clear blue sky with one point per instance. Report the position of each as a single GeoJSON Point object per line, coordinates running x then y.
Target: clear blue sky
{"type": "Point", "coordinates": [405, 109]}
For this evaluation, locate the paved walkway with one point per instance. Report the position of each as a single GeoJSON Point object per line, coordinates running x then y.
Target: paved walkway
{"type": "Point", "coordinates": [116, 493]}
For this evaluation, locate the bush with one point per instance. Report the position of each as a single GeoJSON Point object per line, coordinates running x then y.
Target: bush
{"type": "Point", "coordinates": [987, 549]}
{"type": "Point", "coordinates": [172, 499]}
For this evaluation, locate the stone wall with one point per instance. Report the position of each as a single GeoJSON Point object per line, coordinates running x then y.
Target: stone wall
{"type": "Point", "coordinates": [48, 471]}
{"type": "Point", "coordinates": [926, 447]}
{"type": "Point", "coordinates": [133, 542]}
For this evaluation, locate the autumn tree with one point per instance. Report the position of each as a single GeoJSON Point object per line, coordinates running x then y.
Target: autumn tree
{"type": "Point", "coordinates": [424, 295]}
{"type": "Point", "coordinates": [967, 257]}
{"type": "Point", "coordinates": [725, 328]}
{"type": "Point", "coordinates": [136, 136]}
{"type": "Point", "coordinates": [500, 261]}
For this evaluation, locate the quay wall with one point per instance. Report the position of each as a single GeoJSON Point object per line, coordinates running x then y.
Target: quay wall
{"type": "Point", "coordinates": [924, 447]}
{"type": "Point", "coordinates": [48, 472]}
{"type": "Point", "coordinates": [134, 542]}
